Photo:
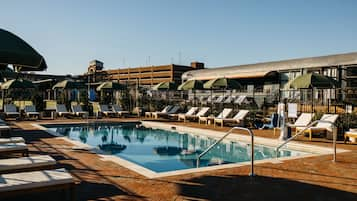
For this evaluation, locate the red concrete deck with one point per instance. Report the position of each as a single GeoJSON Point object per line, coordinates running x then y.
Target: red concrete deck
{"type": "Point", "coordinates": [314, 178]}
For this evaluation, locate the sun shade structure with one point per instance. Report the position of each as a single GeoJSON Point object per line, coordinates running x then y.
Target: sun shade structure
{"type": "Point", "coordinates": [67, 84]}
{"type": "Point", "coordinates": [312, 80]}
{"type": "Point", "coordinates": [164, 86]}
{"type": "Point", "coordinates": [17, 84]}
{"type": "Point", "coordinates": [110, 85]}
{"type": "Point", "coordinates": [222, 83]}
{"type": "Point", "coordinates": [191, 85]}
{"type": "Point", "coordinates": [15, 51]}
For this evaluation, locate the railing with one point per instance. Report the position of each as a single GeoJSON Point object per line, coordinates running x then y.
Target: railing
{"type": "Point", "coordinates": [225, 135]}
{"type": "Point", "coordinates": [303, 131]}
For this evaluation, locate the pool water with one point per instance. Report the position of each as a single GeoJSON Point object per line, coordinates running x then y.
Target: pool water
{"type": "Point", "coordinates": [161, 150]}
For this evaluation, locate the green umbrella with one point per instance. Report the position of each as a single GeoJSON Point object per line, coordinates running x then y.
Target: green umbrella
{"type": "Point", "coordinates": [191, 85]}
{"type": "Point", "coordinates": [222, 83]}
{"type": "Point", "coordinates": [110, 85]}
{"type": "Point", "coordinates": [67, 84]}
{"type": "Point", "coordinates": [15, 51]}
{"type": "Point", "coordinates": [17, 84]}
{"type": "Point", "coordinates": [164, 86]}
{"type": "Point", "coordinates": [312, 80]}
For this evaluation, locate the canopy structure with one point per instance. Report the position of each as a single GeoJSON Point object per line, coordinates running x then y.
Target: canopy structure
{"type": "Point", "coordinates": [164, 86]}
{"type": "Point", "coordinates": [312, 80]}
{"type": "Point", "coordinates": [222, 83]}
{"type": "Point", "coordinates": [15, 51]}
{"type": "Point", "coordinates": [191, 85]}
{"type": "Point", "coordinates": [110, 85]}
{"type": "Point", "coordinates": [17, 84]}
{"type": "Point", "coordinates": [67, 84]}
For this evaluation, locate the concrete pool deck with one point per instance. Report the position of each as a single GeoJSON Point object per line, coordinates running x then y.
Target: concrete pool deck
{"type": "Point", "coordinates": [312, 178]}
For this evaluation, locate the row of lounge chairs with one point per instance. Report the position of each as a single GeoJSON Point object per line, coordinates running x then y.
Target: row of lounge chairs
{"type": "Point", "coordinates": [228, 99]}
{"type": "Point", "coordinates": [29, 173]}
{"type": "Point", "coordinates": [61, 110]}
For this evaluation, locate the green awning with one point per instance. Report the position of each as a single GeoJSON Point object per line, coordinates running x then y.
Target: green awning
{"type": "Point", "coordinates": [110, 85]}
{"type": "Point", "coordinates": [191, 85]}
{"type": "Point", "coordinates": [17, 84]}
{"type": "Point", "coordinates": [222, 83]}
{"type": "Point", "coordinates": [15, 51]}
{"type": "Point", "coordinates": [312, 80]}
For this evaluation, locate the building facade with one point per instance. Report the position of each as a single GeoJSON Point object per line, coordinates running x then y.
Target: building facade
{"type": "Point", "coordinates": [270, 79]}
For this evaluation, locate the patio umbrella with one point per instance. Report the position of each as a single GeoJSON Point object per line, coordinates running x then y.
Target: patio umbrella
{"type": "Point", "coordinates": [191, 85]}
{"type": "Point", "coordinates": [16, 84]}
{"type": "Point", "coordinates": [165, 86]}
{"type": "Point", "coordinates": [311, 81]}
{"type": "Point", "coordinates": [15, 51]}
{"type": "Point", "coordinates": [110, 85]}
{"type": "Point", "coordinates": [221, 83]}
{"type": "Point", "coordinates": [67, 85]}
{"type": "Point", "coordinates": [112, 147]}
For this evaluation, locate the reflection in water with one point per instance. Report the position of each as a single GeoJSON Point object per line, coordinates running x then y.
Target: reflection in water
{"type": "Point", "coordinates": [161, 150]}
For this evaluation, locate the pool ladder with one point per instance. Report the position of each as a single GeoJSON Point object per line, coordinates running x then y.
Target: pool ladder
{"type": "Point", "coordinates": [334, 133]}
{"type": "Point", "coordinates": [224, 136]}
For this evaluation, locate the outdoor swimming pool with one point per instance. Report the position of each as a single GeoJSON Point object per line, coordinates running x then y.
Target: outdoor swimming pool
{"type": "Point", "coordinates": [161, 150]}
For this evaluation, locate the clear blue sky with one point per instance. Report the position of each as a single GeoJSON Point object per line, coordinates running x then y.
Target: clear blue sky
{"type": "Point", "coordinates": [217, 32]}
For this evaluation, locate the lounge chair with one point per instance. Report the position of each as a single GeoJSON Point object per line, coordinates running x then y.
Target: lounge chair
{"type": "Point", "coordinates": [302, 121]}
{"type": "Point", "coordinates": [119, 111]}
{"type": "Point", "coordinates": [30, 112]}
{"type": "Point", "coordinates": [12, 140]}
{"type": "Point", "coordinates": [15, 184]}
{"type": "Point", "coordinates": [78, 112]}
{"type": "Point", "coordinates": [322, 126]}
{"type": "Point", "coordinates": [104, 109]}
{"type": "Point", "coordinates": [201, 113]}
{"type": "Point", "coordinates": [230, 99]}
{"type": "Point", "coordinates": [191, 111]}
{"type": "Point", "coordinates": [165, 110]}
{"type": "Point", "coordinates": [224, 114]}
{"type": "Point", "coordinates": [14, 148]}
{"type": "Point", "coordinates": [173, 110]}
{"type": "Point", "coordinates": [26, 163]}
{"type": "Point", "coordinates": [237, 119]}
{"type": "Point", "coordinates": [220, 99]}
{"type": "Point", "coordinates": [61, 110]}
{"type": "Point", "coordinates": [11, 111]}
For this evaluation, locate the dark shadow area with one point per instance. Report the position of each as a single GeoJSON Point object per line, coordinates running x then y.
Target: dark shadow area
{"type": "Point", "coordinates": [236, 188]}
{"type": "Point", "coordinates": [83, 191]}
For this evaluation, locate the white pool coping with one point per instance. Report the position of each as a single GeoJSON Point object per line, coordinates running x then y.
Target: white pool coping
{"type": "Point", "coordinates": [293, 145]}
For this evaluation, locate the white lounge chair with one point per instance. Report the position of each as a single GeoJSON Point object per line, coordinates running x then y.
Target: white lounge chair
{"type": "Point", "coordinates": [104, 109]}
{"type": "Point", "coordinates": [224, 114]}
{"type": "Point", "coordinates": [165, 110]}
{"type": "Point", "coordinates": [77, 111]}
{"type": "Point", "coordinates": [230, 99]}
{"type": "Point", "coordinates": [12, 140]}
{"type": "Point", "coordinates": [11, 111]}
{"type": "Point", "coordinates": [191, 111]}
{"type": "Point", "coordinates": [14, 148]}
{"type": "Point", "coordinates": [36, 181]}
{"type": "Point", "coordinates": [119, 111]}
{"type": "Point", "coordinates": [22, 163]}
{"type": "Point", "coordinates": [322, 126]}
{"type": "Point", "coordinates": [237, 119]}
{"type": "Point", "coordinates": [201, 113]}
{"type": "Point", "coordinates": [173, 110]}
{"type": "Point", "coordinates": [302, 121]}
{"type": "Point", "coordinates": [61, 110]}
{"type": "Point", "coordinates": [30, 112]}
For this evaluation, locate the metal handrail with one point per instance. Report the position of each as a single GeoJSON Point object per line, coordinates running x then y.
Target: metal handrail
{"type": "Point", "coordinates": [225, 135]}
{"type": "Point", "coordinates": [303, 131]}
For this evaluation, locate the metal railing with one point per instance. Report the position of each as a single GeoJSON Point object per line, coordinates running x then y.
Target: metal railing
{"type": "Point", "coordinates": [225, 135]}
{"type": "Point", "coordinates": [334, 134]}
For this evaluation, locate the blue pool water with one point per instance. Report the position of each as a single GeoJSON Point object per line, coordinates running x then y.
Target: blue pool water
{"type": "Point", "coordinates": [160, 150]}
